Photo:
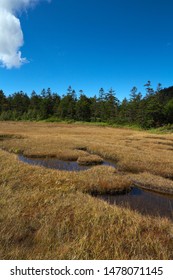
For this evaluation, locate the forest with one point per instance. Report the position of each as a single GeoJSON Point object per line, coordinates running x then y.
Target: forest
{"type": "Point", "coordinates": [151, 110]}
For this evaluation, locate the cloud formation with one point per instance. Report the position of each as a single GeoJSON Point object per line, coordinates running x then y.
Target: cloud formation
{"type": "Point", "coordinates": [11, 35]}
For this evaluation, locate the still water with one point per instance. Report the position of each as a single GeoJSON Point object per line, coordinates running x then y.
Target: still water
{"type": "Point", "coordinates": [145, 202]}
{"type": "Point", "coordinates": [55, 163]}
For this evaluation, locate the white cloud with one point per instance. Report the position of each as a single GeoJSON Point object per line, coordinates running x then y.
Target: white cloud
{"type": "Point", "coordinates": [11, 35]}
{"type": "Point", "coordinates": [14, 5]}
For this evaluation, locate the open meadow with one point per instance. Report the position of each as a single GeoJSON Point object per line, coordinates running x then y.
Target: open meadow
{"type": "Point", "coordinates": [53, 214]}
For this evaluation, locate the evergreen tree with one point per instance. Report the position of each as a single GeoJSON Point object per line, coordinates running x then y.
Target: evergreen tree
{"type": "Point", "coordinates": [134, 105]}
{"type": "Point", "coordinates": [19, 104]}
{"type": "Point", "coordinates": [83, 111]}
{"type": "Point", "coordinates": [155, 109]}
{"type": "Point", "coordinates": [66, 108]}
{"type": "Point", "coordinates": [168, 111]}
{"type": "Point", "coordinates": [101, 105]}
{"type": "Point", "coordinates": [111, 106]}
{"type": "Point", "coordinates": [3, 102]}
{"type": "Point", "coordinates": [123, 116]}
{"type": "Point", "coordinates": [34, 111]}
{"type": "Point", "coordinates": [149, 89]}
{"type": "Point", "coordinates": [94, 109]}
{"type": "Point", "coordinates": [56, 101]}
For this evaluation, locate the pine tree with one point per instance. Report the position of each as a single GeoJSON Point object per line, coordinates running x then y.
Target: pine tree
{"type": "Point", "coordinates": [83, 111]}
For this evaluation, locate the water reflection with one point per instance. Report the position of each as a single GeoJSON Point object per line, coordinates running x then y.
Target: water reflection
{"type": "Point", "coordinates": [55, 163]}
{"type": "Point", "coordinates": [145, 202]}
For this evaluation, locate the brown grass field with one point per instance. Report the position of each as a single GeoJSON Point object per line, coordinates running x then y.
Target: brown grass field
{"type": "Point", "coordinates": [50, 214]}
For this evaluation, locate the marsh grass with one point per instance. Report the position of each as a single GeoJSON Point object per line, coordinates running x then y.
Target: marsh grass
{"type": "Point", "coordinates": [89, 160]}
{"type": "Point", "coordinates": [152, 182]}
{"type": "Point", "coordinates": [102, 179]}
{"type": "Point", "coordinates": [50, 214]}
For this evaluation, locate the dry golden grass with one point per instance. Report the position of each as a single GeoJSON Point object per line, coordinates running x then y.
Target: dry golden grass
{"type": "Point", "coordinates": [102, 179]}
{"type": "Point", "coordinates": [89, 160]}
{"type": "Point", "coordinates": [152, 182]}
{"type": "Point", "coordinates": [47, 214]}
{"type": "Point", "coordinates": [133, 151]}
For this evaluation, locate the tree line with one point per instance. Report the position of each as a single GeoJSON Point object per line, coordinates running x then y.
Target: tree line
{"type": "Point", "coordinates": [154, 109]}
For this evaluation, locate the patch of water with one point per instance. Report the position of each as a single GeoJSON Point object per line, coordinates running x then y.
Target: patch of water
{"type": "Point", "coordinates": [55, 163]}
{"type": "Point", "coordinates": [143, 201]}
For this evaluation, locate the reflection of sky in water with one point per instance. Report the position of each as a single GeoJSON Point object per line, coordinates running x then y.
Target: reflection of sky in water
{"type": "Point", "coordinates": [54, 163]}
{"type": "Point", "coordinates": [143, 201]}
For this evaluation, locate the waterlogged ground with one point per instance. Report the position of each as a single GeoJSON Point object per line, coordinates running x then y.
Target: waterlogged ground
{"type": "Point", "coordinates": [54, 214]}
{"type": "Point", "coordinates": [145, 202]}
{"type": "Point", "coordinates": [55, 163]}
{"type": "Point", "coordinates": [140, 200]}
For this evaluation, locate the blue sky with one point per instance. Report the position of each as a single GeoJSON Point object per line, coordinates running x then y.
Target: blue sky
{"type": "Point", "coordinates": [90, 44]}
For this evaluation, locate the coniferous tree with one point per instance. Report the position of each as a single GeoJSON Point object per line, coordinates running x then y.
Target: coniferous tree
{"type": "Point", "coordinates": [66, 108]}
{"type": "Point", "coordinates": [3, 102]}
{"type": "Point", "coordinates": [94, 109]}
{"type": "Point", "coordinates": [134, 105]}
{"type": "Point", "coordinates": [123, 116]}
{"type": "Point", "coordinates": [19, 104]}
{"type": "Point", "coordinates": [83, 111]}
{"type": "Point", "coordinates": [111, 106]}
{"type": "Point", "coordinates": [149, 89]}
{"type": "Point", "coordinates": [101, 105]}
{"type": "Point", "coordinates": [34, 111]}
{"type": "Point", "coordinates": [168, 112]}
{"type": "Point", "coordinates": [56, 101]}
{"type": "Point", "coordinates": [153, 110]}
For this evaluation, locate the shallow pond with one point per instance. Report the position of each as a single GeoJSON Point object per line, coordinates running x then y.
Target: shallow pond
{"type": "Point", "coordinates": [145, 202]}
{"type": "Point", "coordinates": [55, 163]}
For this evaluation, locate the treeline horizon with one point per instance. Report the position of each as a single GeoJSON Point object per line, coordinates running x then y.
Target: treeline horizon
{"type": "Point", "coordinates": [154, 109]}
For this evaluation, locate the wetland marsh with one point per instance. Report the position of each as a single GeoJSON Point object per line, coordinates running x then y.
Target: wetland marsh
{"type": "Point", "coordinates": [47, 212]}
{"type": "Point", "coordinates": [55, 163]}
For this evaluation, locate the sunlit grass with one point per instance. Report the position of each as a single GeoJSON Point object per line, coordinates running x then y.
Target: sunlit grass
{"type": "Point", "coordinates": [50, 214]}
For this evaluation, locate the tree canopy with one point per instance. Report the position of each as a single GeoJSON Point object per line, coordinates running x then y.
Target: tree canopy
{"type": "Point", "coordinates": [154, 109]}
